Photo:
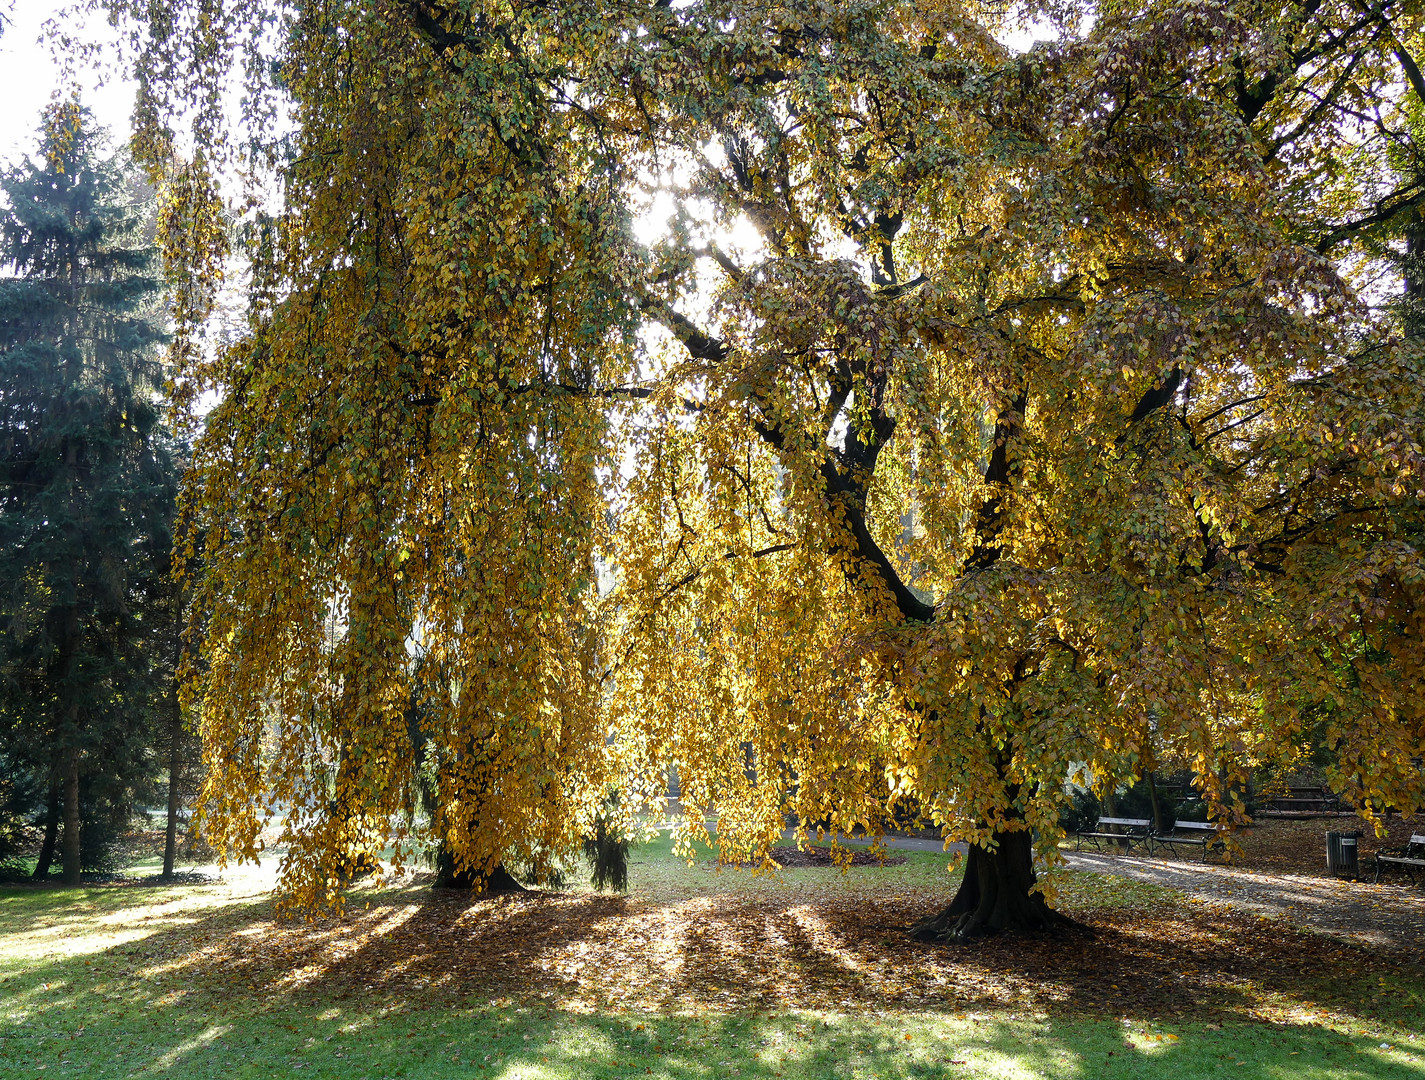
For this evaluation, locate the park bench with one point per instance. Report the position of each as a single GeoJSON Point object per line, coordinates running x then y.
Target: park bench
{"type": "Point", "coordinates": [1203, 834]}
{"type": "Point", "coordinates": [1305, 799]}
{"type": "Point", "coordinates": [1130, 831]}
{"type": "Point", "coordinates": [1409, 858]}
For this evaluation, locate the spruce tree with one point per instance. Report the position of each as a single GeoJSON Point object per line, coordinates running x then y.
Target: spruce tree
{"type": "Point", "coordinates": [87, 479]}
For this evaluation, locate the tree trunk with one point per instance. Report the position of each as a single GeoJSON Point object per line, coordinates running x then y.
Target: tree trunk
{"type": "Point", "coordinates": [51, 832]}
{"type": "Point", "coordinates": [175, 743]}
{"type": "Point", "coordinates": [994, 896]}
{"type": "Point", "coordinates": [1157, 806]}
{"type": "Point", "coordinates": [68, 730]}
{"type": "Point", "coordinates": [69, 853]}
{"type": "Point", "coordinates": [447, 876]}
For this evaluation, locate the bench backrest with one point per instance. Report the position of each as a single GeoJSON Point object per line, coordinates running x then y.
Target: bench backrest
{"type": "Point", "coordinates": [1127, 822]}
{"type": "Point", "coordinates": [1417, 841]}
{"type": "Point", "coordinates": [1212, 825]}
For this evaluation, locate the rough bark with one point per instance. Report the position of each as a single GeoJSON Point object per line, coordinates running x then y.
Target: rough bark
{"type": "Point", "coordinates": [51, 833]}
{"type": "Point", "coordinates": [995, 896]}
{"type": "Point", "coordinates": [69, 852]}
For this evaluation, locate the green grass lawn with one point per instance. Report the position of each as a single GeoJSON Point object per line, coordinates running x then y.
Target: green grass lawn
{"type": "Point", "coordinates": [111, 982]}
{"type": "Point", "coordinates": [654, 871]}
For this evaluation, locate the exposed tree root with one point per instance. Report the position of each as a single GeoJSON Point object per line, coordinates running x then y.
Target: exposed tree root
{"type": "Point", "coordinates": [995, 897]}
{"type": "Point", "coordinates": [496, 882]}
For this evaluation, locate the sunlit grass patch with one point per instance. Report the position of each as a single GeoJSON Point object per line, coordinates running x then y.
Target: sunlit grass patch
{"type": "Point", "coordinates": [49, 922]}
{"type": "Point", "coordinates": [1082, 890]}
{"type": "Point", "coordinates": [656, 872]}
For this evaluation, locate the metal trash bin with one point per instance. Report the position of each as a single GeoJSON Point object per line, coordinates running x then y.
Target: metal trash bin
{"type": "Point", "coordinates": [1341, 853]}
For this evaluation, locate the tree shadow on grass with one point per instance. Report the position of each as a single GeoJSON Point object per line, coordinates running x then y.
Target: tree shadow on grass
{"type": "Point", "coordinates": [88, 1025]}
{"type": "Point", "coordinates": [589, 953]}
{"type": "Point", "coordinates": [422, 983]}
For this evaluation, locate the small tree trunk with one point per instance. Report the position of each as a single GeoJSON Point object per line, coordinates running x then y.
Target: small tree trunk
{"type": "Point", "coordinates": [51, 832]}
{"type": "Point", "coordinates": [69, 853]}
{"type": "Point", "coordinates": [175, 743]}
{"type": "Point", "coordinates": [994, 896]}
{"type": "Point", "coordinates": [1157, 807]}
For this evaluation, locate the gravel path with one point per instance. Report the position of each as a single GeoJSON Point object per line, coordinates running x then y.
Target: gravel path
{"type": "Point", "coordinates": [1385, 914]}
{"type": "Point", "coordinates": [1389, 914]}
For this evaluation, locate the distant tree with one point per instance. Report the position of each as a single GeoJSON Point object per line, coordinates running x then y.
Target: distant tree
{"type": "Point", "coordinates": [87, 483]}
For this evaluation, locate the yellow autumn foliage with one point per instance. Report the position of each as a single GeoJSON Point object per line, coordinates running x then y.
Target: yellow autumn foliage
{"type": "Point", "coordinates": [1053, 425]}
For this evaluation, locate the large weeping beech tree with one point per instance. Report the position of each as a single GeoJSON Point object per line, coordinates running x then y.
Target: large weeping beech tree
{"type": "Point", "coordinates": [825, 398]}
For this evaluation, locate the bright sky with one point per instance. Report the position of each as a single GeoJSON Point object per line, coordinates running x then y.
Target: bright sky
{"type": "Point", "coordinates": [31, 74]}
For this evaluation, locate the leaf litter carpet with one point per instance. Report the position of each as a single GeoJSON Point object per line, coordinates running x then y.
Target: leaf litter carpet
{"type": "Point", "coordinates": [843, 952]}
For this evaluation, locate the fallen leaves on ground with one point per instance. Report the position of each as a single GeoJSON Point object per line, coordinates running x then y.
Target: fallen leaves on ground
{"type": "Point", "coordinates": [1298, 846]}
{"type": "Point", "coordinates": [791, 858]}
{"type": "Point", "coordinates": [728, 952]}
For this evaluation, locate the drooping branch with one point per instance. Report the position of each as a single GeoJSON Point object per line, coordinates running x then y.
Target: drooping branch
{"type": "Point", "coordinates": [1202, 421]}
{"type": "Point", "coordinates": [693, 575]}
{"type": "Point", "coordinates": [700, 346]}
{"type": "Point", "coordinates": [632, 393]}
{"type": "Point", "coordinates": [1387, 209]}
{"type": "Point", "coordinates": [989, 518]}
{"type": "Point", "coordinates": [1156, 396]}
{"type": "Point", "coordinates": [848, 485]}
{"type": "Point", "coordinates": [430, 19]}
{"type": "Point", "coordinates": [1407, 61]}
{"type": "Point", "coordinates": [912, 608]}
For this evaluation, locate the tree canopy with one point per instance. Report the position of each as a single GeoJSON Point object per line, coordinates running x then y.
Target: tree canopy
{"type": "Point", "coordinates": [980, 418]}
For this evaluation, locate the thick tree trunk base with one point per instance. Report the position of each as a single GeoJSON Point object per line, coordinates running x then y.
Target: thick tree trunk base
{"type": "Point", "coordinates": [995, 898]}
{"type": "Point", "coordinates": [498, 882]}
{"type": "Point", "coordinates": [356, 867]}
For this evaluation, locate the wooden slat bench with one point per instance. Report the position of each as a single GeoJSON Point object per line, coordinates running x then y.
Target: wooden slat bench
{"type": "Point", "coordinates": [1409, 858]}
{"type": "Point", "coordinates": [1323, 803]}
{"type": "Point", "coordinates": [1130, 831]}
{"type": "Point", "coordinates": [1203, 834]}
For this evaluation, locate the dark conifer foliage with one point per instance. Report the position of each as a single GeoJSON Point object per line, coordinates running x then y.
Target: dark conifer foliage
{"type": "Point", "coordinates": [87, 486]}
